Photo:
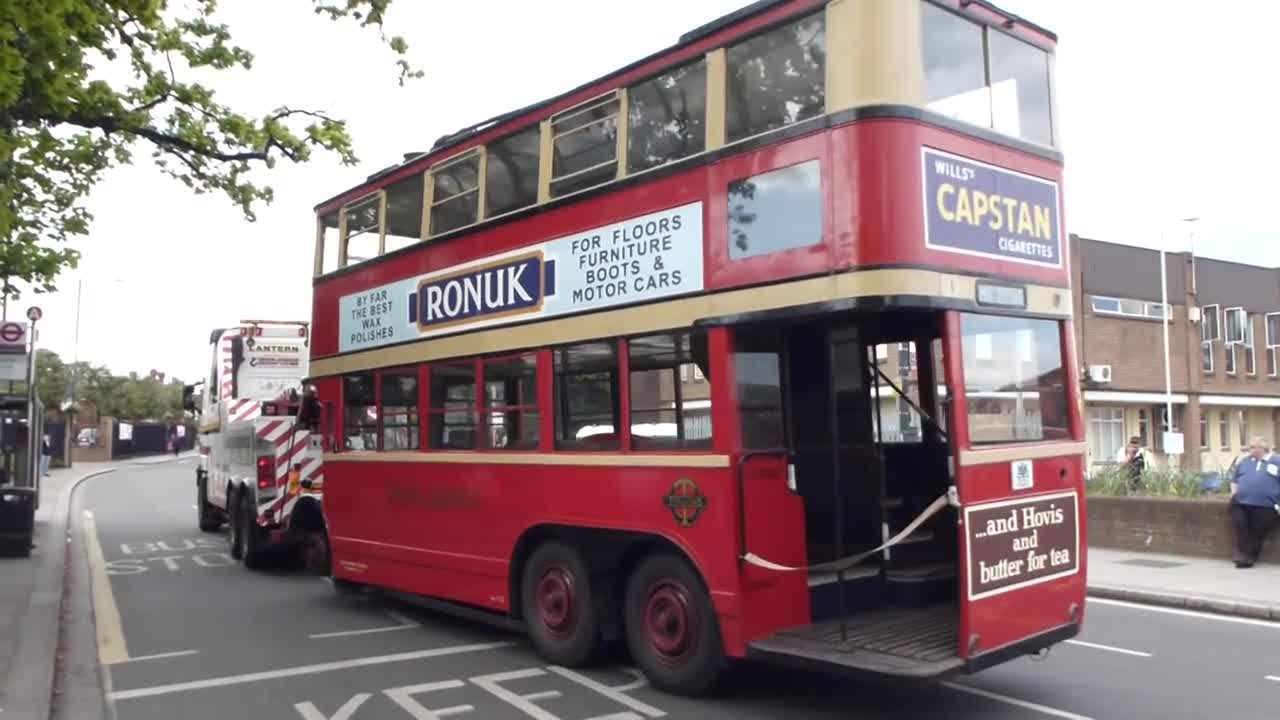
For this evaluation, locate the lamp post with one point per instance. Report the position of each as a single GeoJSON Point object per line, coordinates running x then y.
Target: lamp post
{"type": "Point", "coordinates": [75, 352]}
{"type": "Point", "coordinates": [1165, 320]}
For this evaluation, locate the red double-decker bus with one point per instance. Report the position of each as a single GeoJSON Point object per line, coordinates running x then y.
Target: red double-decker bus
{"type": "Point", "coordinates": [759, 347]}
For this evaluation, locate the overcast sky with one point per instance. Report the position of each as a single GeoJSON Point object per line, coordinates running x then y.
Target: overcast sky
{"type": "Point", "coordinates": [1165, 115]}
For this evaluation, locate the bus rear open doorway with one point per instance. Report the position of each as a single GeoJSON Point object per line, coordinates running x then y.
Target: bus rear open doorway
{"type": "Point", "coordinates": [863, 395]}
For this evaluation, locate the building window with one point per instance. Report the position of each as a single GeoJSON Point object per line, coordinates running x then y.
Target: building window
{"type": "Point", "coordinates": [452, 418]}
{"type": "Point", "coordinates": [511, 403]}
{"type": "Point", "coordinates": [584, 142]}
{"type": "Point", "coordinates": [1204, 431]}
{"type": "Point", "coordinates": [1144, 428]}
{"type": "Point", "coordinates": [1129, 308]}
{"type": "Point", "coordinates": [1272, 322]}
{"type": "Point", "coordinates": [667, 117]}
{"type": "Point", "coordinates": [985, 77]}
{"type": "Point", "coordinates": [1250, 356]}
{"type": "Point", "coordinates": [1206, 356]}
{"type": "Point", "coordinates": [1210, 323]}
{"type": "Point", "coordinates": [776, 79]}
{"type": "Point", "coordinates": [1224, 430]}
{"type": "Point", "coordinates": [586, 389]}
{"type": "Point", "coordinates": [455, 193]}
{"type": "Point", "coordinates": [1229, 355]}
{"type": "Point", "coordinates": [667, 413]}
{"type": "Point", "coordinates": [774, 211]}
{"type": "Point", "coordinates": [399, 409]}
{"type": "Point", "coordinates": [360, 411]}
{"type": "Point", "coordinates": [1107, 427]}
{"type": "Point", "coordinates": [1242, 418]}
{"type": "Point", "coordinates": [511, 172]}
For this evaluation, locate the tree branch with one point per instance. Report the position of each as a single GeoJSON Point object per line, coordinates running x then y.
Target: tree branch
{"type": "Point", "coordinates": [111, 124]}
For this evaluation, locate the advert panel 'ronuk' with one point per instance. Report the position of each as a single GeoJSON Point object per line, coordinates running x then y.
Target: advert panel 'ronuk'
{"type": "Point", "coordinates": [974, 208]}
{"type": "Point", "coordinates": [644, 258]}
{"type": "Point", "coordinates": [1016, 543]}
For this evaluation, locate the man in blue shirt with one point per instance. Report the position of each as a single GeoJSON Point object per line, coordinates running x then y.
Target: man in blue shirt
{"type": "Point", "coordinates": [1255, 501]}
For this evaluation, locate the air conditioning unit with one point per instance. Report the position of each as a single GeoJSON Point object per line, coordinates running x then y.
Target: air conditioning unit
{"type": "Point", "coordinates": [1100, 373]}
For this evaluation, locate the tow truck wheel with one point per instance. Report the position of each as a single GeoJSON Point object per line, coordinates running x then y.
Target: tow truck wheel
{"type": "Point", "coordinates": [234, 539]}
{"type": "Point", "coordinates": [206, 514]}
{"type": "Point", "coordinates": [558, 605]}
{"type": "Point", "coordinates": [254, 552]}
{"type": "Point", "coordinates": [671, 626]}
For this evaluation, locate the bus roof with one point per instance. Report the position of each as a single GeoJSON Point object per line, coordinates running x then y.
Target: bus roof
{"type": "Point", "coordinates": [423, 159]}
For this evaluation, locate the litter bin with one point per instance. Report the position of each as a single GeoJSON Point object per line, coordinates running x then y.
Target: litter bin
{"type": "Point", "coordinates": [17, 520]}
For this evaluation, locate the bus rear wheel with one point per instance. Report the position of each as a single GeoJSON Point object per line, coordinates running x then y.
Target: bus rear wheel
{"type": "Point", "coordinates": [671, 626]}
{"type": "Point", "coordinates": [559, 606]}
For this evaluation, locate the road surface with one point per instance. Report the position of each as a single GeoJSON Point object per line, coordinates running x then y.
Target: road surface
{"type": "Point", "coordinates": [184, 632]}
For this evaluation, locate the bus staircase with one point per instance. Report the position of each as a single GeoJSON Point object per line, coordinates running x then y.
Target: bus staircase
{"type": "Point", "coordinates": [912, 633]}
{"type": "Point", "coordinates": [899, 617]}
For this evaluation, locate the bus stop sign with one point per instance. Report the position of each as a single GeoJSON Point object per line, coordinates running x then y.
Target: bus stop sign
{"type": "Point", "coordinates": [13, 337]}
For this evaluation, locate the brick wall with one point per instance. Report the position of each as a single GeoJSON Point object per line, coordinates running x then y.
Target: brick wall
{"type": "Point", "coordinates": [1178, 526]}
{"type": "Point", "coordinates": [1134, 348]}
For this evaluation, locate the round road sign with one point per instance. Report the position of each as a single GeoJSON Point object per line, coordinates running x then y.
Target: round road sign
{"type": "Point", "coordinates": [12, 332]}
{"type": "Point", "coordinates": [34, 313]}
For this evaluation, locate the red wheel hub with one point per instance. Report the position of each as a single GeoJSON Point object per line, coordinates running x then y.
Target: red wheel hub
{"type": "Point", "coordinates": [555, 596]}
{"type": "Point", "coordinates": [670, 621]}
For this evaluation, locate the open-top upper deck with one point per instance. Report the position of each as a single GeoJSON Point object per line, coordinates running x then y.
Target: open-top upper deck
{"type": "Point", "coordinates": [759, 162]}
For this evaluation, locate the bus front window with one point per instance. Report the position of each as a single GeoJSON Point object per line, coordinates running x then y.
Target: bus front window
{"type": "Point", "coordinates": [1015, 386]}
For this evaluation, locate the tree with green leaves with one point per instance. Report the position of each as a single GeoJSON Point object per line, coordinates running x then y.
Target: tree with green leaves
{"type": "Point", "coordinates": [62, 126]}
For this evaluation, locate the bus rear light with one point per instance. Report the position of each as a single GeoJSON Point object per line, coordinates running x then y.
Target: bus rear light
{"type": "Point", "coordinates": [266, 472]}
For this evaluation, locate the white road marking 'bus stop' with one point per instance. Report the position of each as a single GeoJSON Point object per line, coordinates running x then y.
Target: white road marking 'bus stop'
{"type": "Point", "coordinates": [411, 698]}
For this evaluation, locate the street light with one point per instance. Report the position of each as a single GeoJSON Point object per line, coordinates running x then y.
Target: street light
{"type": "Point", "coordinates": [1165, 320]}
{"type": "Point", "coordinates": [75, 352]}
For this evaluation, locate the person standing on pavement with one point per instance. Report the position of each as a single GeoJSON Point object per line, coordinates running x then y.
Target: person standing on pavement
{"type": "Point", "coordinates": [1135, 460]}
{"type": "Point", "coordinates": [46, 455]}
{"type": "Point", "coordinates": [1255, 501]}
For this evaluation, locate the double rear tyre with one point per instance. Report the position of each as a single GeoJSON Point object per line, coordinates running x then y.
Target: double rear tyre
{"type": "Point", "coordinates": [243, 537]}
{"type": "Point", "coordinates": [206, 514]}
{"type": "Point", "coordinates": [671, 626]}
{"type": "Point", "coordinates": [668, 620]}
{"type": "Point", "coordinates": [559, 605]}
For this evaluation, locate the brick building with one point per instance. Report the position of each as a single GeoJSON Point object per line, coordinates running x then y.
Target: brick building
{"type": "Point", "coordinates": [1223, 337]}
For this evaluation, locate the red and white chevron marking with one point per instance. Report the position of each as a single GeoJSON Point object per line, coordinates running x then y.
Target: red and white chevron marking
{"type": "Point", "coordinates": [290, 447]}
{"type": "Point", "coordinates": [241, 410]}
{"type": "Point", "coordinates": [289, 444]}
{"type": "Point", "coordinates": [224, 367]}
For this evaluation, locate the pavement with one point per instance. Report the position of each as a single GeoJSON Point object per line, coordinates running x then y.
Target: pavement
{"type": "Point", "coordinates": [34, 616]}
{"type": "Point", "coordinates": [1196, 583]}
{"type": "Point", "coordinates": [183, 631]}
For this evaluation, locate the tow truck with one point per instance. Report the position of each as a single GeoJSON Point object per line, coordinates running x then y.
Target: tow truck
{"type": "Point", "coordinates": [260, 471]}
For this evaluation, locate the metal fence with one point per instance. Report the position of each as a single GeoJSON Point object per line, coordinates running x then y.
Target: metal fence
{"type": "Point", "coordinates": [146, 438]}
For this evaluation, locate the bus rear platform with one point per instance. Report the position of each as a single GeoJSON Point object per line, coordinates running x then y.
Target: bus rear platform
{"type": "Point", "coordinates": [893, 643]}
